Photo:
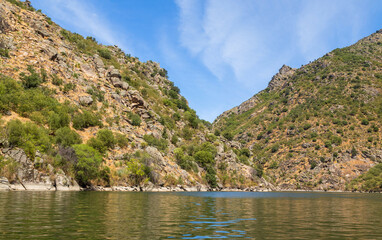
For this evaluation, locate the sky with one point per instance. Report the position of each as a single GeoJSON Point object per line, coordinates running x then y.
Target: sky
{"type": "Point", "coordinates": [220, 52]}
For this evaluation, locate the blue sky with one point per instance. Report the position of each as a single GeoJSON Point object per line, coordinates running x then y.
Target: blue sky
{"type": "Point", "coordinates": [220, 52]}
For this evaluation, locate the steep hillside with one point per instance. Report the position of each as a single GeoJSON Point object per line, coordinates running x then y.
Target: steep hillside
{"type": "Point", "coordinates": [75, 110]}
{"type": "Point", "coordinates": [319, 126]}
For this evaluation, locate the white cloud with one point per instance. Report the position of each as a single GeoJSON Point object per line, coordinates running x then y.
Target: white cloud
{"type": "Point", "coordinates": [249, 40]}
{"type": "Point", "coordinates": [226, 36]}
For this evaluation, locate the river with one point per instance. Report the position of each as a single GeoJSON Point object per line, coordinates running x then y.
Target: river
{"type": "Point", "coordinates": [183, 215]}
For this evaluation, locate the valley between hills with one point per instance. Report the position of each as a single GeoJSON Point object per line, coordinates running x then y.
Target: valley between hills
{"type": "Point", "coordinates": [76, 114]}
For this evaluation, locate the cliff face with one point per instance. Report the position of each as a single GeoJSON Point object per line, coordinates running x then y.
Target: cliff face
{"type": "Point", "coordinates": [317, 127]}
{"type": "Point", "coordinates": [75, 100]}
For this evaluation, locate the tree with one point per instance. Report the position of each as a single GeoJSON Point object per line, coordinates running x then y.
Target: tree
{"type": "Point", "coordinates": [66, 137]}
{"type": "Point", "coordinates": [88, 163]}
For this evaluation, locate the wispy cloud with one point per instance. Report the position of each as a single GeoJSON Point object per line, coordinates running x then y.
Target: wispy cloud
{"type": "Point", "coordinates": [249, 40]}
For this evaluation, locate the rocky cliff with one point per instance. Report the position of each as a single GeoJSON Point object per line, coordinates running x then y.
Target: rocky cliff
{"type": "Point", "coordinates": [73, 110]}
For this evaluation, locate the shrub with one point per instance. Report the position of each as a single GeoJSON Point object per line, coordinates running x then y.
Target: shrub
{"type": "Point", "coordinates": [121, 140]}
{"type": "Point", "coordinates": [107, 137]}
{"type": "Point", "coordinates": [211, 177]}
{"type": "Point", "coordinates": [208, 147]}
{"type": "Point", "coordinates": [4, 52]}
{"type": "Point", "coordinates": [245, 152]}
{"type": "Point", "coordinates": [33, 80]}
{"type": "Point", "coordinates": [67, 137]}
{"type": "Point", "coordinates": [28, 136]}
{"type": "Point", "coordinates": [307, 126]}
{"type": "Point", "coordinates": [204, 158]}
{"type": "Point", "coordinates": [58, 120]}
{"type": "Point", "coordinates": [228, 136]}
{"type": "Point", "coordinates": [103, 141]}
{"type": "Point", "coordinates": [88, 163]}
{"type": "Point", "coordinates": [138, 171]}
{"type": "Point", "coordinates": [273, 165]}
{"type": "Point", "coordinates": [56, 80]}
{"type": "Point", "coordinates": [365, 122]}
{"type": "Point", "coordinates": [174, 139]}
{"type": "Point", "coordinates": [187, 133]}
{"type": "Point", "coordinates": [275, 148]}
{"type": "Point", "coordinates": [68, 87]}
{"type": "Point", "coordinates": [97, 145]}
{"type": "Point", "coordinates": [85, 120]}
{"type": "Point", "coordinates": [161, 144]}
{"type": "Point", "coordinates": [354, 152]}
{"type": "Point", "coordinates": [217, 132]}
{"type": "Point", "coordinates": [135, 119]}
{"type": "Point", "coordinates": [104, 53]}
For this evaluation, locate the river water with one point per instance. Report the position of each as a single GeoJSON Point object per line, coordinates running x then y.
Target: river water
{"type": "Point", "coordinates": [208, 215]}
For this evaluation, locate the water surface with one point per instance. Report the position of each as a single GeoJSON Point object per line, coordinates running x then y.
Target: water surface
{"type": "Point", "coordinates": [123, 215]}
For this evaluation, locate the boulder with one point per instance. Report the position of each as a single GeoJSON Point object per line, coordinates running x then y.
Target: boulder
{"type": "Point", "coordinates": [88, 70]}
{"type": "Point", "coordinates": [114, 73]}
{"type": "Point", "coordinates": [86, 100]}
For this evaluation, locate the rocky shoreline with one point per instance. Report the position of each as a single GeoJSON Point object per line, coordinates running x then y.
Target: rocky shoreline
{"type": "Point", "coordinates": [201, 188]}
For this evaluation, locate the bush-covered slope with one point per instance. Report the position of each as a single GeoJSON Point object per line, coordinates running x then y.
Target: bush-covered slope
{"type": "Point", "coordinates": [100, 115]}
{"type": "Point", "coordinates": [319, 126]}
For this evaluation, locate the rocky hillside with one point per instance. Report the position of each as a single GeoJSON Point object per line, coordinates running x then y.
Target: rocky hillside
{"type": "Point", "coordinates": [73, 110]}
{"type": "Point", "coordinates": [319, 126]}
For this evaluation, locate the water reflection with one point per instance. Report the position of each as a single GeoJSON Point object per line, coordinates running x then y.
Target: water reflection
{"type": "Point", "coordinates": [100, 215]}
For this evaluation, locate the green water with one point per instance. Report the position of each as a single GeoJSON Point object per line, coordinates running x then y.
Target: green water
{"type": "Point", "coordinates": [119, 215]}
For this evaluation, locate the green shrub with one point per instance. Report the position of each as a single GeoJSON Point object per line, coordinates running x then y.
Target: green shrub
{"type": "Point", "coordinates": [85, 120]}
{"type": "Point", "coordinates": [104, 53]}
{"type": "Point", "coordinates": [275, 148]}
{"type": "Point", "coordinates": [103, 141]}
{"type": "Point", "coordinates": [217, 132]}
{"type": "Point", "coordinates": [121, 140]}
{"type": "Point", "coordinates": [138, 171]}
{"type": "Point", "coordinates": [32, 80]}
{"type": "Point", "coordinates": [97, 144]}
{"type": "Point", "coordinates": [67, 137]}
{"type": "Point", "coordinates": [273, 165]}
{"type": "Point", "coordinates": [354, 152]}
{"type": "Point", "coordinates": [228, 136]}
{"type": "Point", "coordinates": [4, 52]}
{"type": "Point", "coordinates": [187, 133]}
{"type": "Point", "coordinates": [68, 87]}
{"type": "Point", "coordinates": [204, 158]}
{"type": "Point", "coordinates": [208, 147]}
{"type": "Point", "coordinates": [88, 164]}
{"type": "Point", "coordinates": [107, 137]}
{"type": "Point", "coordinates": [28, 136]}
{"type": "Point", "coordinates": [161, 144]}
{"type": "Point", "coordinates": [58, 120]}
{"type": "Point", "coordinates": [135, 119]}
{"type": "Point", "coordinates": [56, 80]}
{"type": "Point", "coordinates": [174, 139]}
{"type": "Point", "coordinates": [307, 126]}
{"type": "Point", "coordinates": [365, 122]}
{"type": "Point", "coordinates": [245, 152]}
{"type": "Point", "coordinates": [211, 176]}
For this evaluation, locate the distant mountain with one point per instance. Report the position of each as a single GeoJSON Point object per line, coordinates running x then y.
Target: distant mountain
{"type": "Point", "coordinates": [319, 126]}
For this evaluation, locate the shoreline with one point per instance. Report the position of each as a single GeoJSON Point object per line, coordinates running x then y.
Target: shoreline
{"type": "Point", "coordinates": [33, 187]}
